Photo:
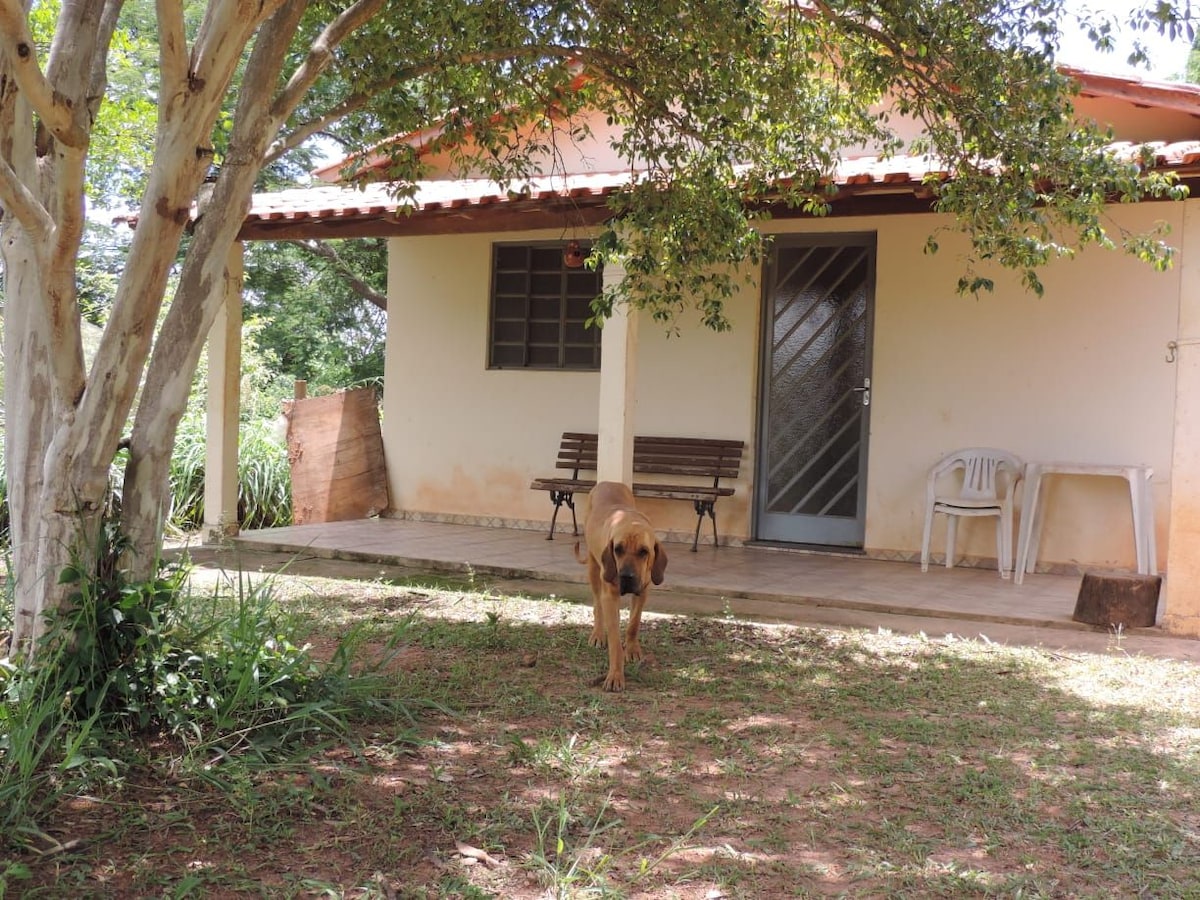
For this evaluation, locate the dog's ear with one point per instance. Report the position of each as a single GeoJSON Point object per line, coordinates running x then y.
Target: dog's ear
{"type": "Point", "coordinates": [609, 562]}
{"type": "Point", "coordinates": [660, 563]}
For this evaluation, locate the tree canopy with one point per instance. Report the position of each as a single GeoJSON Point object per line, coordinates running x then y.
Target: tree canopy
{"type": "Point", "coordinates": [722, 103]}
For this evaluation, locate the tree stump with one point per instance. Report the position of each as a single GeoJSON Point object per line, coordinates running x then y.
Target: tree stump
{"type": "Point", "coordinates": [1128, 601]}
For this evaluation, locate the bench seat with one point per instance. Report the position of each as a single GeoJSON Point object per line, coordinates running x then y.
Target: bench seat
{"type": "Point", "coordinates": [657, 456]}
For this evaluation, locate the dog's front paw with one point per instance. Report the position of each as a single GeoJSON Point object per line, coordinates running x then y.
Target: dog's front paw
{"type": "Point", "coordinates": [615, 682]}
{"type": "Point", "coordinates": [633, 650]}
{"type": "Point", "coordinates": [598, 638]}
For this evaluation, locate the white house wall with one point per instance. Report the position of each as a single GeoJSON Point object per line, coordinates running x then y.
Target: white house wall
{"type": "Point", "coordinates": [1078, 374]}
{"type": "Point", "coordinates": [1128, 121]}
{"type": "Point", "coordinates": [561, 155]}
{"type": "Point", "coordinates": [464, 442]}
{"type": "Point", "coordinates": [1133, 122]}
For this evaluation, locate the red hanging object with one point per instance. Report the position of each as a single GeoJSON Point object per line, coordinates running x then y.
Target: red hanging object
{"type": "Point", "coordinates": [573, 255]}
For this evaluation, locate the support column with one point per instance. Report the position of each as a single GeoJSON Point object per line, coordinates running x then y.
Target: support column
{"type": "Point", "coordinates": [223, 411]}
{"type": "Point", "coordinates": [1181, 613]}
{"type": "Point", "coordinates": [618, 385]}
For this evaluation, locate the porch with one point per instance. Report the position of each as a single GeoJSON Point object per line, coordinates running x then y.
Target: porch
{"type": "Point", "coordinates": [747, 581]}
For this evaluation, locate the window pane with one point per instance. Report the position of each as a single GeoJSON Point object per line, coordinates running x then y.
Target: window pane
{"type": "Point", "coordinates": [546, 357]}
{"type": "Point", "coordinates": [544, 333]}
{"type": "Point", "coordinates": [507, 307]}
{"type": "Point", "coordinates": [583, 283]}
{"type": "Point", "coordinates": [512, 257]}
{"type": "Point", "coordinates": [545, 309]}
{"type": "Point", "coordinates": [508, 332]}
{"type": "Point", "coordinates": [580, 358]}
{"type": "Point", "coordinates": [507, 356]}
{"type": "Point", "coordinates": [544, 259]}
{"type": "Point", "coordinates": [575, 333]}
{"type": "Point", "coordinates": [579, 310]}
{"type": "Point", "coordinates": [511, 283]}
{"type": "Point", "coordinates": [550, 285]}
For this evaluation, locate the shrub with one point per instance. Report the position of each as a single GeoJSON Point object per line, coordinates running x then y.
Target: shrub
{"type": "Point", "coordinates": [264, 478]}
{"type": "Point", "coordinates": [224, 674]}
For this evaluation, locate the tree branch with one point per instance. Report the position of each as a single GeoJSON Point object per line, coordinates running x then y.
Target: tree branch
{"type": "Point", "coordinates": [19, 201]}
{"type": "Point", "coordinates": [98, 79]}
{"type": "Point", "coordinates": [218, 47]}
{"type": "Point", "coordinates": [324, 251]}
{"type": "Point", "coordinates": [195, 305]}
{"type": "Point", "coordinates": [320, 55]}
{"type": "Point", "coordinates": [172, 49]}
{"type": "Point", "coordinates": [54, 112]}
{"type": "Point", "coordinates": [359, 100]}
{"type": "Point", "coordinates": [305, 130]}
{"type": "Point", "coordinates": [225, 31]}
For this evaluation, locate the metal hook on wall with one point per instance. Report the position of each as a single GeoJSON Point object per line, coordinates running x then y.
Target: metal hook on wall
{"type": "Point", "coordinates": [1172, 346]}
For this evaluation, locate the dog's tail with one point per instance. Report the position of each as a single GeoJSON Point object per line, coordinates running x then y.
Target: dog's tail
{"type": "Point", "coordinates": [582, 560]}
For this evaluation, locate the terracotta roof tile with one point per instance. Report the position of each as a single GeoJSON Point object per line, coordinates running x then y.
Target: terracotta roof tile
{"type": "Point", "coordinates": [861, 174]}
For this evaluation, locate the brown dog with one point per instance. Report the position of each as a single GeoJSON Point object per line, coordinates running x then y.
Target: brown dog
{"type": "Point", "coordinates": [624, 557]}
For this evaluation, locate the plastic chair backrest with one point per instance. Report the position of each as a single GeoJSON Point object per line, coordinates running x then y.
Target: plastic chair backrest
{"type": "Point", "coordinates": [981, 467]}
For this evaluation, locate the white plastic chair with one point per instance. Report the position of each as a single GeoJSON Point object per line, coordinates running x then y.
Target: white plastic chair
{"type": "Point", "coordinates": [988, 487]}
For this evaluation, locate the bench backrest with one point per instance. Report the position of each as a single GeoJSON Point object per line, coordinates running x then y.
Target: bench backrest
{"type": "Point", "coordinates": [577, 452]}
{"type": "Point", "coordinates": [706, 457]}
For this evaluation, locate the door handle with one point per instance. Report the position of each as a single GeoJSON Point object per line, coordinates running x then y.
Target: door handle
{"type": "Point", "coordinates": [865, 390]}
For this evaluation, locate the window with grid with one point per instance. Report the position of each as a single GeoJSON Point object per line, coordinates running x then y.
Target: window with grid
{"type": "Point", "coordinates": [538, 310]}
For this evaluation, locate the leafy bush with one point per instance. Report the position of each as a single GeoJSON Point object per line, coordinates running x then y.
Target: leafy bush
{"type": "Point", "coordinates": [264, 478]}
{"type": "Point", "coordinates": [42, 744]}
{"type": "Point", "coordinates": [151, 656]}
{"type": "Point", "coordinates": [224, 674]}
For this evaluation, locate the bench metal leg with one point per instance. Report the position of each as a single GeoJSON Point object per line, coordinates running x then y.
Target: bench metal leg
{"type": "Point", "coordinates": [558, 498]}
{"type": "Point", "coordinates": [702, 507]}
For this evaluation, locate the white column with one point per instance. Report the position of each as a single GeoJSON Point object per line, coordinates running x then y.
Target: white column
{"type": "Point", "coordinates": [618, 385]}
{"type": "Point", "coordinates": [224, 381]}
{"type": "Point", "coordinates": [1181, 612]}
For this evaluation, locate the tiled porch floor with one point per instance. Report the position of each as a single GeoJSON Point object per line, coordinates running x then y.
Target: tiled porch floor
{"type": "Point", "coordinates": [752, 581]}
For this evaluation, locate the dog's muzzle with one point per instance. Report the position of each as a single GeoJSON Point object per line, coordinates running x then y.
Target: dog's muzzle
{"type": "Point", "coordinates": [628, 584]}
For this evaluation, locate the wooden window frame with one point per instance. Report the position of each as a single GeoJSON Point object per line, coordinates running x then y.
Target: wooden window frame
{"type": "Point", "coordinates": [532, 325]}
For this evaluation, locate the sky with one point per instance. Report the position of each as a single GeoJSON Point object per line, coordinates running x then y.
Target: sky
{"type": "Point", "coordinates": [1168, 59]}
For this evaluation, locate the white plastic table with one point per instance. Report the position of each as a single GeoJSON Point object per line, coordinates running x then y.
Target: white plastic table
{"type": "Point", "coordinates": [1141, 500]}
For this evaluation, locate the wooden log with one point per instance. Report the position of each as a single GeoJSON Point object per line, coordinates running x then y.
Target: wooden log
{"type": "Point", "coordinates": [1128, 601]}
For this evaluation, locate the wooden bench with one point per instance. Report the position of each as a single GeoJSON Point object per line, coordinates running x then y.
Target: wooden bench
{"type": "Point", "coordinates": [652, 456]}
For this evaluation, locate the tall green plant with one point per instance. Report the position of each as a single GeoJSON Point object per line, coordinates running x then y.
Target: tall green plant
{"type": "Point", "coordinates": [47, 741]}
{"type": "Point", "coordinates": [44, 747]}
{"type": "Point", "coordinates": [223, 674]}
{"type": "Point", "coordinates": [264, 477]}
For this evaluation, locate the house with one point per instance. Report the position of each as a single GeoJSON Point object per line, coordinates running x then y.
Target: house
{"type": "Point", "coordinates": [852, 365]}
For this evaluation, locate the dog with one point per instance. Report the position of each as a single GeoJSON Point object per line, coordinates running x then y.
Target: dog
{"type": "Point", "coordinates": [624, 556]}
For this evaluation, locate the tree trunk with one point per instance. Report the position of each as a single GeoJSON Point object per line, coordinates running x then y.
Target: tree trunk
{"type": "Point", "coordinates": [60, 457]}
{"type": "Point", "coordinates": [27, 401]}
{"type": "Point", "coordinates": [64, 425]}
{"type": "Point", "coordinates": [202, 289]}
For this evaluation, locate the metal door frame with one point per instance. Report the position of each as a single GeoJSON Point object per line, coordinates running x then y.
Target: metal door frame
{"type": "Point", "coordinates": [870, 240]}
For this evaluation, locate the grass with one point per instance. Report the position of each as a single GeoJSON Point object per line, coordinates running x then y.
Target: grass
{"type": "Point", "coordinates": [743, 761]}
